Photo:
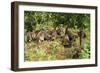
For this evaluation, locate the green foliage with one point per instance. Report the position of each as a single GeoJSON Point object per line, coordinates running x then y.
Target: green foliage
{"type": "Point", "coordinates": [85, 52]}
{"type": "Point", "coordinates": [39, 20]}
{"type": "Point", "coordinates": [52, 57]}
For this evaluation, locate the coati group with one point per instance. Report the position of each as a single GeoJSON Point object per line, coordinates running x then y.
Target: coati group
{"type": "Point", "coordinates": [66, 37]}
{"type": "Point", "coordinates": [39, 35]}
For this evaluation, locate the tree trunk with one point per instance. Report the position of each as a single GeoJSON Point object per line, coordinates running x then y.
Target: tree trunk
{"type": "Point", "coordinates": [81, 29]}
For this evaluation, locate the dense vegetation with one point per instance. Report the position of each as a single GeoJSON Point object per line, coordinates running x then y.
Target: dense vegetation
{"type": "Point", "coordinates": [56, 36]}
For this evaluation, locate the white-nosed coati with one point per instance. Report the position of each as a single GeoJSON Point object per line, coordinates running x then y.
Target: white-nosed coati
{"type": "Point", "coordinates": [43, 35]}
{"type": "Point", "coordinates": [76, 52]}
{"type": "Point", "coordinates": [82, 34]}
{"type": "Point", "coordinates": [60, 32]}
{"type": "Point", "coordinates": [53, 34]}
{"type": "Point", "coordinates": [56, 33]}
{"type": "Point", "coordinates": [40, 36]}
{"type": "Point", "coordinates": [68, 38]}
{"type": "Point", "coordinates": [65, 41]}
{"type": "Point", "coordinates": [70, 34]}
{"type": "Point", "coordinates": [28, 37]}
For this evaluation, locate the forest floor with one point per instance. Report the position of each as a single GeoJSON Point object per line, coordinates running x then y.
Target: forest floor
{"type": "Point", "coordinates": [54, 50]}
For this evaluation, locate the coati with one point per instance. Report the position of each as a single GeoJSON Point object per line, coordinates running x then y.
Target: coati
{"type": "Point", "coordinates": [70, 34]}
{"type": "Point", "coordinates": [82, 34]}
{"type": "Point", "coordinates": [40, 36]}
{"type": "Point", "coordinates": [69, 37]}
{"type": "Point", "coordinates": [28, 37]}
{"type": "Point", "coordinates": [53, 34]}
{"type": "Point", "coordinates": [65, 41]}
{"type": "Point", "coordinates": [76, 52]}
{"type": "Point", "coordinates": [56, 33]}
{"type": "Point", "coordinates": [43, 35]}
{"type": "Point", "coordinates": [47, 36]}
{"type": "Point", "coordinates": [60, 32]}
